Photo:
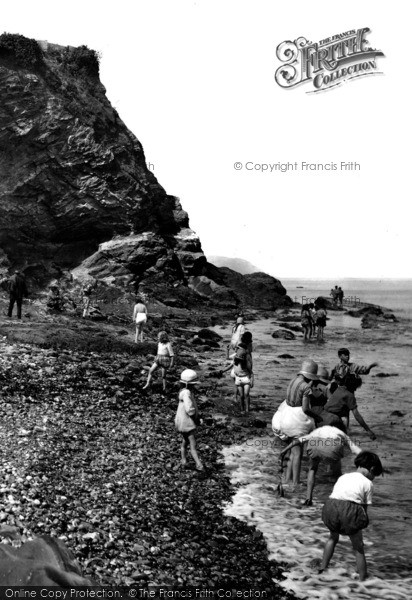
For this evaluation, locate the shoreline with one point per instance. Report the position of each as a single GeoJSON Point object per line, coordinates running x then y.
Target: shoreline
{"type": "Point", "coordinates": [253, 465]}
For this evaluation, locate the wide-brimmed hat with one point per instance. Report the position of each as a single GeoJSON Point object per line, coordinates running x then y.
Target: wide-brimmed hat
{"type": "Point", "coordinates": [323, 374]}
{"type": "Point", "coordinates": [309, 369]}
{"type": "Point", "coordinates": [189, 376]}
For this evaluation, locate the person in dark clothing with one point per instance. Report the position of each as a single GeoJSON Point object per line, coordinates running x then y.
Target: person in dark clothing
{"type": "Point", "coordinates": [343, 401]}
{"type": "Point", "coordinates": [17, 291]}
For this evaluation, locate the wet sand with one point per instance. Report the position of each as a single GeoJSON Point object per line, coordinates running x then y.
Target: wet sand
{"type": "Point", "coordinates": [295, 535]}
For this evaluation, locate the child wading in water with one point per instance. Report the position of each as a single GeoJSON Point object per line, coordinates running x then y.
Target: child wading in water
{"type": "Point", "coordinates": [242, 368]}
{"type": "Point", "coordinates": [345, 366]}
{"type": "Point", "coordinates": [344, 512]}
{"type": "Point", "coordinates": [187, 417]}
{"type": "Point", "coordinates": [164, 359]}
{"type": "Point", "coordinates": [306, 321]}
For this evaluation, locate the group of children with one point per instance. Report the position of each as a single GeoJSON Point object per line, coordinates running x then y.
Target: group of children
{"type": "Point", "coordinates": [316, 413]}
{"type": "Point", "coordinates": [313, 320]}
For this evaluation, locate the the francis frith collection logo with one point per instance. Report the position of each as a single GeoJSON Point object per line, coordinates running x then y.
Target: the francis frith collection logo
{"type": "Point", "coordinates": [327, 63]}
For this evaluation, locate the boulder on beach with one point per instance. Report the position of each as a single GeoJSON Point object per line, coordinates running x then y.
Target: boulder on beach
{"type": "Point", "coordinates": [209, 334]}
{"type": "Point", "coordinates": [283, 334]}
{"type": "Point", "coordinates": [44, 561]}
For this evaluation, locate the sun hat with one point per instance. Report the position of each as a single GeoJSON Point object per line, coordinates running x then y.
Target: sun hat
{"type": "Point", "coordinates": [323, 374]}
{"type": "Point", "coordinates": [309, 369]}
{"type": "Point", "coordinates": [189, 376]}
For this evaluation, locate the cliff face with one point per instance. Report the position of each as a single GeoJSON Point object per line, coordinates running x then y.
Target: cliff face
{"type": "Point", "coordinates": [75, 192]}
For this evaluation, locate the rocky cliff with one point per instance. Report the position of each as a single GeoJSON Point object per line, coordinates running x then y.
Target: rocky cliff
{"type": "Point", "coordinates": [75, 191]}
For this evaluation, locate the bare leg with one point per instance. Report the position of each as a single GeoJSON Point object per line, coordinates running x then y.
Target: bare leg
{"type": "Point", "coordinates": [288, 475]}
{"type": "Point", "coordinates": [236, 393]}
{"type": "Point", "coordinates": [296, 458]}
{"type": "Point", "coordinates": [136, 337]}
{"type": "Point", "coordinates": [193, 451]}
{"type": "Point", "coordinates": [183, 450]}
{"type": "Point", "coordinates": [149, 377]}
{"type": "Point", "coordinates": [357, 545]}
{"type": "Point", "coordinates": [246, 391]}
{"type": "Point", "coordinates": [242, 397]}
{"type": "Point", "coordinates": [313, 467]}
{"type": "Point", "coordinates": [163, 370]}
{"type": "Point", "coordinates": [329, 549]}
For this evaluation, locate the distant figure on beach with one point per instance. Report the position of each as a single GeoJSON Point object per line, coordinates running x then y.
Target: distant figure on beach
{"type": "Point", "coordinates": [320, 320]}
{"type": "Point", "coordinates": [139, 318]}
{"type": "Point", "coordinates": [238, 330]}
{"type": "Point", "coordinates": [334, 293]}
{"type": "Point", "coordinates": [340, 296]}
{"type": "Point", "coordinates": [17, 291]}
{"type": "Point", "coordinates": [326, 444]}
{"type": "Point", "coordinates": [164, 359]}
{"type": "Point", "coordinates": [313, 315]}
{"type": "Point", "coordinates": [87, 291]}
{"type": "Point", "coordinates": [345, 511]}
{"type": "Point", "coordinates": [306, 321]}
{"type": "Point", "coordinates": [343, 401]}
{"type": "Point", "coordinates": [294, 417]}
{"type": "Point", "coordinates": [345, 367]}
{"type": "Point", "coordinates": [187, 417]}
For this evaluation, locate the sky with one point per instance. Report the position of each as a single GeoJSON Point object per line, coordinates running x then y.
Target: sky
{"type": "Point", "coordinates": [194, 81]}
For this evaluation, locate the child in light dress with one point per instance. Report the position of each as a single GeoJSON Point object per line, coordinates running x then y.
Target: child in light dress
{"type": "Point", "coordinates": [187, 417]}
{"type": "Point", "coordinates": [164, 359]}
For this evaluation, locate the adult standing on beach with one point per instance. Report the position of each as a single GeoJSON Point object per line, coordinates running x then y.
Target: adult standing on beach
{"type": "Point", "coordinates": [340, 296]}
{"type": "Point", "coordinates": [334, 293]}
{"type": "Point", "coordinates": [17, 291]}
{"type": "Point", "coordinates": [139, 318]}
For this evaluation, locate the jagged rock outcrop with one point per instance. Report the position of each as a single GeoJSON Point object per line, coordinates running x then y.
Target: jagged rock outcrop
{"type": "Point", "coordinates": [75, 191]}
{"type": "Point", "coordinates": [256, 289]}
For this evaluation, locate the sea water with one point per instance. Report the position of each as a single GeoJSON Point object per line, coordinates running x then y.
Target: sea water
{"type": "Point", "coordinates": [295, 535]}
{"type": "Point", "coordinates": [395, 294]}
